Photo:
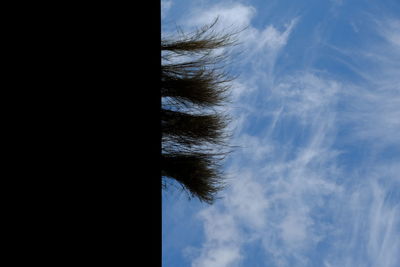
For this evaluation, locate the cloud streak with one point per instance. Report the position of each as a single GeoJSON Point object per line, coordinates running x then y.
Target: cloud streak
{"type": "Point", "coordinates": [278, 197]}
{"type": "Point", "coordinates": [272, 200]}
{"type": "Point", "coordinates": [315, 179]}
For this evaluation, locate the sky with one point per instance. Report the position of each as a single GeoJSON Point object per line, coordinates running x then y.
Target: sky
{"type": "Point", "coordinates": [315, 180]}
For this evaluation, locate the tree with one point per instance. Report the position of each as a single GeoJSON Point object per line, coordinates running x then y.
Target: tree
{"type": "Point", "coordinates": [193, 86]}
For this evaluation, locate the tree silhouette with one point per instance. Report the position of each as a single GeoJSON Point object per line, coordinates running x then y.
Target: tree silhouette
{"type": "Point", "coordinates": [194, 85]}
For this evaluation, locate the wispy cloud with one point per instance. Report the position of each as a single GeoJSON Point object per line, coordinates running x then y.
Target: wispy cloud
{"type": "Point", "coordinates": [389, 28]}
{"type": "Point", "coordinates": [223, 240]}
{"type": "Point", "coordinates": [280, 185]}
{"type": "Point", "coordinates": [369, 225]}
{"type": "Point", "coordinates": [229, 14]}
{"type": "Point", "coordinates": [165, 7]}
{"type": "Point", "coordinates": [372, 108]}
{"type": "Point", "coordinates": [315, 179]}
{"type": "Point", "coordinates": [272, 197]}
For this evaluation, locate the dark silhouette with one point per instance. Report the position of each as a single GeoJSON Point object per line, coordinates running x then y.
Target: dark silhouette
{"type": "Point", "coordinates": [193, 85]}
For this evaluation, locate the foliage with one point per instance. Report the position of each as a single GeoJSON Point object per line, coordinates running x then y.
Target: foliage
{"type": "Point", "coordinates": [194, 87]}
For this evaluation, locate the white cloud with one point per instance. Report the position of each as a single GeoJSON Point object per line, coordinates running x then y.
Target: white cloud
{"type": "Point", "coordinates": [273, 195]}
{"type": "Point", "coordinates": [286, 173]}
{"type": "Point", "coordinates": [372, 108]}
{"type": "Point", "coordinates": [383, 245]}
{"type": "Point", "coordinates": [223, 240]}
{"type": "Point", "coordinates": [219, 257]}
{"type": "Point", "coordinates": [247, 201]}
{"type": "Point", "coordinates": [390, 30]}
{"type": "Point", "coordinates": [262, 47]}
{"type": "Point", "coordinates": [307, 95]}
{"type": "Point", "coordinates": [294, 229]}
{"type": "Point", "coordinates": [369, 224]}
{"type": "Point", "coordinates": [376, 116]}
{"type": "Point", "coordinates": [229, 15]}
{"type": "Point", "coordinates": [165, 7]}
{"type": "Point", "coordinates": [270, 37]}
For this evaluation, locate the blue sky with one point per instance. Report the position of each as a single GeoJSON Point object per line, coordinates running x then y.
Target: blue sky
{"type": "Point", "coordinates": [316, 108]}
